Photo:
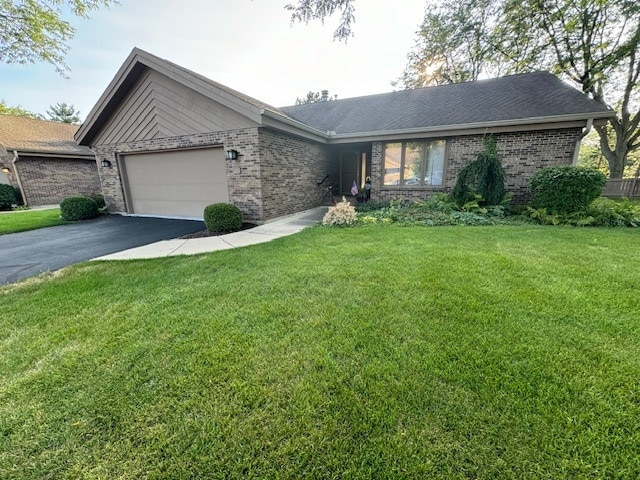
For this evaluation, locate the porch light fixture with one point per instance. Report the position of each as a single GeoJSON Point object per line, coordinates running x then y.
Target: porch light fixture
{"type": "Point", "coordinates": [105, 163]}
{"type": "Point", "coordinates": [232, 155]}
{"type": "Point", "coordinates": [6, 170]}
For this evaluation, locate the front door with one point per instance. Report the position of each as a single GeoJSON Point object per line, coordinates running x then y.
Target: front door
{"type": "Point", "coordinates": [349, 171]}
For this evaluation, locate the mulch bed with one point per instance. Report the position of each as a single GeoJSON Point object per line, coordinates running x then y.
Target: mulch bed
{"type": "Point", "coordinates": [207, 233]}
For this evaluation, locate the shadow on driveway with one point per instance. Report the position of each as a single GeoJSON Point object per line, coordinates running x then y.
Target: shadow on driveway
{"type": "Point", "coordinates": [26, 254]}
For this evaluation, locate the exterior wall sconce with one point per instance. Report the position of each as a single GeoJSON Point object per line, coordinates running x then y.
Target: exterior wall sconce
{"type": "Point", "coordinates": [6, 170]}
{"type": "Point", "coordinates": [105, 163]}
{"type": "Point", "coordinates": [232, 155]}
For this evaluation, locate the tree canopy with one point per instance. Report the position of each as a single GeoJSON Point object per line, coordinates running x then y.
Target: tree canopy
{"type": "Point", "coordinates": [593, 43]}
{"type": "Point", "coordinates": [315, 97]}
{"type": "Point", "coordinates": [61, 112]}
{"type": "Point", "coordinates": [308, 10]}
{"type": "Point", "coordinates": [17, 111]}
{"type": "Point", "coordinates": [35, 31]}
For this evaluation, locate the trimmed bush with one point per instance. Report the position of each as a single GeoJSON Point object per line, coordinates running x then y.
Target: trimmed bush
{"type": "Point", "coordinates": [7, 196]}
{"type": "Point", "coordinates": [222, 217]}
{"type": "Point", "coordinates": [565, 188]}
{"type": "Point", "coordinates": [99, 199]}
{"type": "Point", "coordinates": [78, 208]}
{"type": "Point", "coordinates": [484, 177]}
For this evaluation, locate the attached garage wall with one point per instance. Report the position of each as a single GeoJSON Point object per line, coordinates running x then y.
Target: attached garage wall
{"type": "Point", "coordinates": [243, 175]}
{"type": "Point", "coordinates": [48, 180]}
{"type": "Point", "coordinates": [177, 183]}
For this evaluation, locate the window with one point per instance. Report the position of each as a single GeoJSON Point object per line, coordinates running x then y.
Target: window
{"type": "Point", "coordinates": [415, 163]}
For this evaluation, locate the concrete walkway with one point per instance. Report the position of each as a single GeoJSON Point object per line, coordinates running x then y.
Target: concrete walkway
{"type": "Point", "coordinates": [279, 227]}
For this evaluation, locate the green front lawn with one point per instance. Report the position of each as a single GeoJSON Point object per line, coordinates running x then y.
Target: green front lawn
{"type": "Point", "coordinates": [451, 352]}
{"type": "Point", "coordinates": [29, 220]}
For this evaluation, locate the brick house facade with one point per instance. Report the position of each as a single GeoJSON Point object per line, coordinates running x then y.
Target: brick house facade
{"type": "Point", "coordinates": [43, 162]}
{"type": "Point", "coordinates": [521, 154]}
{"type": "Point", "coordinates": [276, 161]}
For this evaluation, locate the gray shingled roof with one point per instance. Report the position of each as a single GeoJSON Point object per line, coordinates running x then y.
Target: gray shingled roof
{"type": "Point", "coordinates": [39, 136]}
{"type": "Point", "coordinates": [500, 100]}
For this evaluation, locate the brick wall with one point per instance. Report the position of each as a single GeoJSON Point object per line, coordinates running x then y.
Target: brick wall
{"type": "Point", "coordinates": [291, 167]}
{"type": "Point", "coordinates": [521, 154]}
{"type": "Point", "coordinates": [48, 180]}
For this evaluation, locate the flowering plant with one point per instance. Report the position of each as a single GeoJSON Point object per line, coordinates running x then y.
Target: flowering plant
{"type": "Point", "coordinates": [343, 214]}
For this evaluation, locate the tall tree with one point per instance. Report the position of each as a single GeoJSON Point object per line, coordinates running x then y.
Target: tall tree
{"type": "Point", "coordinates": [594, 43]}
{"type": "Point", "coordinates": [17, 111]}
{"type": "Point", "coordinates": [315, 97]}
{"type": "Point", "coordinates": [34, 30]}
{"type": "Point", "coordinates": [454, 44]}
{"type": "Point", "coordinates": [61, 112]}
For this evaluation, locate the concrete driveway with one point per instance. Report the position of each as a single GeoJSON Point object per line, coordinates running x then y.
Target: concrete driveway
{"type": "Point", "coordinates": [26, 254]}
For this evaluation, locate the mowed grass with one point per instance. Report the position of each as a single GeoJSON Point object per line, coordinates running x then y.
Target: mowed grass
{"type": "Point", "coordinates": [29, 220]}
{"type": "Point", "coordinates": [479, 352]}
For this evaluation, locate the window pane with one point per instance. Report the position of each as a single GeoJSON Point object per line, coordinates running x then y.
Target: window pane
{"type": "Point", "coordinates": [392, 159]}
{"type": "Point", "coordinates": [413, 155]}
{"type": "Point", "coordinates": [435, 163]}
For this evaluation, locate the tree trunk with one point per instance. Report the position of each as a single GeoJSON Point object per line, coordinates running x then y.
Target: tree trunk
{"type": "Point", "coordinates": [617, 156]}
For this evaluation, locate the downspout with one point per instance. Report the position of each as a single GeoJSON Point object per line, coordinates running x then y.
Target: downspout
{"type": "Point", "coordinates": [15, 172]}
{"type": "Point", "coordinates": [585, 131]}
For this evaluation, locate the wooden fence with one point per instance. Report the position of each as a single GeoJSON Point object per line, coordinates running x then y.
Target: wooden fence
{"type": "Point", "coordinates": [625, 187]}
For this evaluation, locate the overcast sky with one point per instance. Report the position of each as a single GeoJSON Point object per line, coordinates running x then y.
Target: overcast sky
{"type": "Point", "coordinates": [248, 45]}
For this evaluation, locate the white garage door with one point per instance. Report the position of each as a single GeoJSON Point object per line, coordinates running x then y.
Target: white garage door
{"type": "Point", "coordinates": [176, 184]}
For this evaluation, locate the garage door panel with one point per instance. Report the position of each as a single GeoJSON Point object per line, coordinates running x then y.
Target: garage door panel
{"type": "Point", "coordinates": [177, 183]}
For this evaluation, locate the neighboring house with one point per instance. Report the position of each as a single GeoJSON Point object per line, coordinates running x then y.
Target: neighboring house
{"type": "Point", "coordinates": [162, 135]}
{"type": "Point", "coordinates": [43, 161]}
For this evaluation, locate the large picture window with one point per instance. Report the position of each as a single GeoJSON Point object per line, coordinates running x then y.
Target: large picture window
{"type": "Point", "coordinates": [414, 163]}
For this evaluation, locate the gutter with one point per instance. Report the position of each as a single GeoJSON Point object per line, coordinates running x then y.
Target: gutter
{"type": "Point", "coordinates": [15, 172]}
{"type": "Point", "coordinates": [293, 123]}
{"type": "Point", "coordinates": [475, 125]}
{"type": "Point", "coordinates": [331, 137]}
{"type": "Point", "coordinates": [585, 132]}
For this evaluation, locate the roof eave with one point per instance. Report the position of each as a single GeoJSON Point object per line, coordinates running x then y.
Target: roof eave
{"type": "Point", "coordinates": [287, 124]}
{"type": "Point", "coordinates": [52, 153]}
{"type": "Point", "coordinates": [470, 128]}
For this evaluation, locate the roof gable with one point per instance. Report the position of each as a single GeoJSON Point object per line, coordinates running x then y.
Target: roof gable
{"type": "Point", "coordinates": [25, 134]}
{"type": "Point", "coordinates": [516, 99]}
{"type": "Point", "coordinates": [158, 107]}
{"type": "Point", "coordinates": [131, 77]}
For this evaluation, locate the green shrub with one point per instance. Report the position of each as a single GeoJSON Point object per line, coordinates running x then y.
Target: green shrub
{"type": "Point", "coordinates": [611, 213]}
{"type": "Point", "coordinates": [99, 199]}
{"type": "Point", "coordinates": [78, 208]}
{"type": "Point", "coordinates": [484, 177]}
{"type": "Point", "coordinates": [18, 195]}
{"type": "Point", "coordinates": [371, 206]}
{"type": "Point", "coordinates": [222, 217]}
{"type": "Point", "coordinates": [602, 212]}
{"type": "Point", "coordinates": [565, 188]}
{"type": "Point", "coordinates": [7, 196]}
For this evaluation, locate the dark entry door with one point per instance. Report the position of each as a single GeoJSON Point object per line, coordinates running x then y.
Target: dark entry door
{"type": "Point", "coordinates": [349, 171]}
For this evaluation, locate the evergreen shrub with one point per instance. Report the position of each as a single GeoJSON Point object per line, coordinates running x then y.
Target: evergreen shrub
{"type": "Point", "coordinates": [222, 218]}
{"type": "Point", "coordinates": [7, 196]}
{"type": "Point", "coordinates": [484, 177]}
{"type": "Point", "coordinates": [78, 208]}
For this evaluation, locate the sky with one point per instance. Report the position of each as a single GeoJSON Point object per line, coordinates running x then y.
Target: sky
{"type": "Point", "coordinates": [248, 45]}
